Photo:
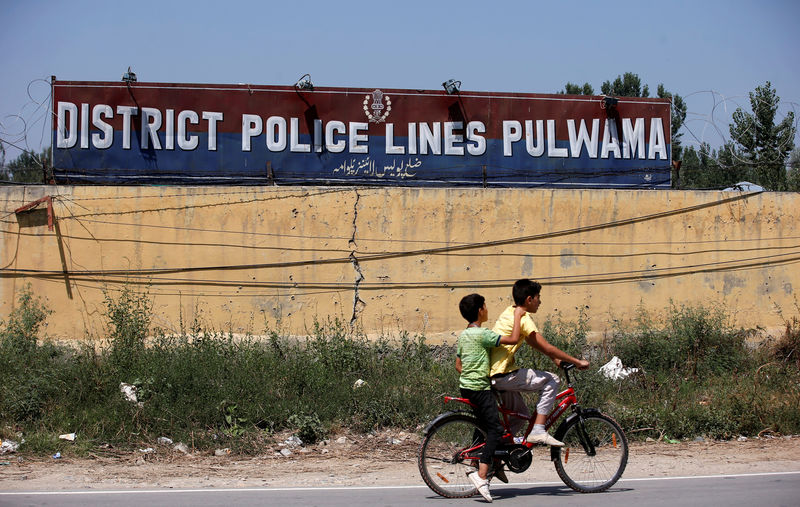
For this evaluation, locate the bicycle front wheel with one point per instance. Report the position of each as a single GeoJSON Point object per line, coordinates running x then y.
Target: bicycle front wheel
{"type": "Point", "coordinates": [591, 433]}
{"type": "Point", "coordinates": [448, 452]}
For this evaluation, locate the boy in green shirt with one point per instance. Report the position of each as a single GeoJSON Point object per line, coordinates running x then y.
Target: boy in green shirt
{"type": "Point", "coordinates": [472, 362]}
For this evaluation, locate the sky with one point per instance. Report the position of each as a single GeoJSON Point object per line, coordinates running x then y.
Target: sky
{"type": "Point", "coordinates": [713, 53]}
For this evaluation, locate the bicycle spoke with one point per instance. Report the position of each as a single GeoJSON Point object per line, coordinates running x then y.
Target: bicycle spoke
{"type": "Point", "coordinates": [441, 460]}
{"type": "Point", "coordinates": [586, 473]}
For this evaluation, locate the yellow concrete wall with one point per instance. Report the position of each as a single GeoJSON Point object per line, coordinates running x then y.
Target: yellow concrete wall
{"type": "Point", "coordinates": [244, 259]}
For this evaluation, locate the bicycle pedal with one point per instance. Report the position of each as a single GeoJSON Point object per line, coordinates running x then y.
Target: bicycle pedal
{"type": "Point", "coordinates": [500, 474]}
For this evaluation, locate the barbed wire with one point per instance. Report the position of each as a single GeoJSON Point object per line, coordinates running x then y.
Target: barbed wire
{"type": "Point", "coordinates": [27, 120]}
{"type": "Point", "coordinates": [710, 122]}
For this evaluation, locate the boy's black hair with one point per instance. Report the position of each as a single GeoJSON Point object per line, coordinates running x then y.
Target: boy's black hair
{"type": "Point", "coordinates": [470, 305]}
{"type": "Point", "coordinates": [524, 288]}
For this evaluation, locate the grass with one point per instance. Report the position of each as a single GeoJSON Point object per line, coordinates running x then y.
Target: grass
{"type": "Point", "coordinates": [209, 389]}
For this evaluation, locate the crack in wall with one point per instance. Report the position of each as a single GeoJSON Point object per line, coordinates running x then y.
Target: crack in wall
{"type": "Point", "coordinates": [358, 303]}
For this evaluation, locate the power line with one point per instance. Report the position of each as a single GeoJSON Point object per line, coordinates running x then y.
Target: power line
{"type": "Point", "coordinates": [208, 205]}
{"type": "Point", "coordinates": [348, 238]}
{"type": "Point", "coordinates": [582, 279]}
{"type": "Point", "coordinates": [429, 251]}
{"type": "Point", "coordinates": [534, 254]}
{"type": "Point", "coordinates": [193, 292]}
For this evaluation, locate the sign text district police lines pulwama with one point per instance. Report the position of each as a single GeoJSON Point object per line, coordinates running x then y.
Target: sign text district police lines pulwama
{"type": "Point", "coordinates": [117, 132]}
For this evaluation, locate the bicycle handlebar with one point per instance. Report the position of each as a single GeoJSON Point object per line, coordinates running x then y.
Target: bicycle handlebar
{"type": "Point", "coordinates": [567, 367]}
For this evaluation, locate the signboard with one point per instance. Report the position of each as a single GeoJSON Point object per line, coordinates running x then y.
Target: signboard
{"type": "Point", "coordinates": [119, 132]}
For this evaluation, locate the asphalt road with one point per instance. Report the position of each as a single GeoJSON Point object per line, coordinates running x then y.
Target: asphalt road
{"type": "Point", "coordinates": [763, 490]}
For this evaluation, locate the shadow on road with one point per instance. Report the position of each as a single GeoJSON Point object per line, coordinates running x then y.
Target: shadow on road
{"type": "Point", "coordinates": [546, 491]}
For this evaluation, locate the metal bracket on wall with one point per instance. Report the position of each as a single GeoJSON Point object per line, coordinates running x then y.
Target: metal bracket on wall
{"type": "Point", "coordinates": [46, 199]}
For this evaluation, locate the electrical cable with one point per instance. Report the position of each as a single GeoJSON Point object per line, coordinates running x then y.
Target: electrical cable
{"type": "Point", "coordinates": [533, 254]}
{"type": "Point", "coordinates": [581, 279]}
{"type": "Point", "coordinates": [436, 250]}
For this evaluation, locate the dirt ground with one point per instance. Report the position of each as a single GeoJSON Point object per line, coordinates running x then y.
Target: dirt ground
{"type": "Point", "coordinates": [374, 460]}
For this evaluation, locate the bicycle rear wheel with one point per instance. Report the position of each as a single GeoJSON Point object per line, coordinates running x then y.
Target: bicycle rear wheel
{"type": "Point", "coordinates": [445, 456]}
{"type": "Point", "coordinates": [581, 471]}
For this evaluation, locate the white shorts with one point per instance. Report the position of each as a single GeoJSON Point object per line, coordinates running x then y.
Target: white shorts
{"type": "Point", "coordinates": [526, 379]}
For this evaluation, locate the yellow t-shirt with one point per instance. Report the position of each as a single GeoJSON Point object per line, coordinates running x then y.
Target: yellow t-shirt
{"type": "Point", "coordinates": [502, 357]}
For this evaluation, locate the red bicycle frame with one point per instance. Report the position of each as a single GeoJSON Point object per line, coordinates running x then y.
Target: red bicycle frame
{"type": "Point", "coordinates": [564, 400]}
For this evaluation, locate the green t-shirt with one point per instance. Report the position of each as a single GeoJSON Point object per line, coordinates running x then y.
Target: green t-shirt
{"type": "Point", "coordinates": [474, 345]}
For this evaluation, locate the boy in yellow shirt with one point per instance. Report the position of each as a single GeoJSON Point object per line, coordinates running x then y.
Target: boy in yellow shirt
{"type": "Point", "coordinates": [510, 379]}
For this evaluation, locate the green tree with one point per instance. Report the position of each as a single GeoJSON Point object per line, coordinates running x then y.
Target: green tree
{"type": "Point", "coordinates": [793, 176]}
{"type": "Point", "coordinates": [699, 169]}
{"type": "Point", "coordinates": [731, 167]}
{"type": "Point", "coordinates": [763, 144]}
{"type": "Point", "coordinates": [28, 167]}
{"type": "Point", "coordinates": [691, 169]}
{"type": "Point", "coordinates": [626, 85]}
{"type": "Point", "coordinates": [678, 113]}
{"type": "Point", "coordinates": [707, 169]}
{"type": "Point", "coordinates": [576, 89]}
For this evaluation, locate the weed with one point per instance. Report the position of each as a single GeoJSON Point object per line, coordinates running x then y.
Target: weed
{"type": "Point", "coordinates": [309, 428]}
{"type": "Point", "coordinates": [787, 348]}
{"type": "Point", "coordinates": [207, 389]}
{"type": "Point", "coordinates": [233, 422]}
{"type": "Point", "coordinates": [27, 378]}
{"type": "Point", "coordinates": [694, 341]}
{"type": "Point", "coordinates": [129, 323]}
{"type": "Point", "coordinates": [21, 334]}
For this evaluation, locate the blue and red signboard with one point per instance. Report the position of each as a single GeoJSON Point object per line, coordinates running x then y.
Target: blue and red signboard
{"type": "Point", "coordinates": [160, 133]}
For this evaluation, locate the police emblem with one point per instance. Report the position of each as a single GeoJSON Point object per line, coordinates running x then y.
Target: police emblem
{"type": "Point", "coordinates": [379, 112]}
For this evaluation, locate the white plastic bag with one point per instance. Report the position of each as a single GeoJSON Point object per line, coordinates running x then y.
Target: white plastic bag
{"type": "Point", "coordinates": [614, 369]}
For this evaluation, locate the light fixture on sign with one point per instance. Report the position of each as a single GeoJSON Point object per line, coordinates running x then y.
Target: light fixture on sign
{"type": "Point", "coordinates": [304, 83]}
{"type": "Point", "coordinates": [609, 103]}
{"type": "Point", "coordinates": [129, 77]}
{"type": "Point", "coordinates": [452, 86]}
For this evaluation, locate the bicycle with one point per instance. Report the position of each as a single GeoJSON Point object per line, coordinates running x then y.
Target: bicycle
{"type": "Point", "coordinates": [592, 460]}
